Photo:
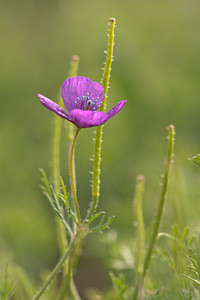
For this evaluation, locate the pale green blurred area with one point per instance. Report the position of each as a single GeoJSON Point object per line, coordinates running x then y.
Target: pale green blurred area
{"type": "Point", "coordinates": [156, 68]}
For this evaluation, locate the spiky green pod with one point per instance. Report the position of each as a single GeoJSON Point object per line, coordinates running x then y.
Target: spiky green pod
{"type": "Point", "coordinates": [99, 130]}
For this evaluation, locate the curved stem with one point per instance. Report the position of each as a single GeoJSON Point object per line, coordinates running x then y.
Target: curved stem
{"type": "Point", "coordinates": [159, 213]}
{"type": "Point", "coordinates": [72, 176]}
{"type": "Point", "coordinates": [162, 200]}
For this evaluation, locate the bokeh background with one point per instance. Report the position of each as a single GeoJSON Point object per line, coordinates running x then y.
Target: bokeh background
{"type": "Point", "coordinates": [156, 68]}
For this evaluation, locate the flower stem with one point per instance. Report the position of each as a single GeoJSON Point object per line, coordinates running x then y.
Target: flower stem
{"type": "Point", "coordinates": [72, 176]}
{"type": "Point", "coordinates": [160, 206]}
{"type": "Point", "coordinates": [99, 130]}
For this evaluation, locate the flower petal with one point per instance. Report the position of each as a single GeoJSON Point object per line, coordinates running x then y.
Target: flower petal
{"type": "Point", "coordinates": [54, 107]}
{"type": "Point", "coordinates": [116, 108]}
{"type": "Point", "coordinates": [76, 87]}
{"type": "Point", "coordinates": [88, 118]}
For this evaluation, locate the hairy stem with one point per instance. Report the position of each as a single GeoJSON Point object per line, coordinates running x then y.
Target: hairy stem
{"type": "Point", "coordinates": [99, 130]}
{"type": "Point", "coordinates": [160, 206]}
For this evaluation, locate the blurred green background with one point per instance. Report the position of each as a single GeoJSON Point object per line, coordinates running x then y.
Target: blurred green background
{"type": "Point", "coordinates": [156, 68]}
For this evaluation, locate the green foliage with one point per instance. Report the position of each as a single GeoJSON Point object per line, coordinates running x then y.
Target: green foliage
{"type": "Point", "coordinates": [59, 204]}
{"type": "Point", "coordinates": [120, 286]}
{"type": "Point", "coordinates": [196, 159]}
{"type": "Point", "coordinates": [64, 210]}
{"type": "Point", "coordinates": [6, 287]}
{"type": "Point", "coordinates": [193, 265]}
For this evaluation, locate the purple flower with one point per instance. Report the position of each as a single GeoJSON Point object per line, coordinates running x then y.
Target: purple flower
{"type": "Point", "coordinates": [82, 98]}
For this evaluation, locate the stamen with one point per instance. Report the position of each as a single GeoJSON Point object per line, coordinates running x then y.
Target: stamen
{"type": "Point", "coordinates": [87, 104]}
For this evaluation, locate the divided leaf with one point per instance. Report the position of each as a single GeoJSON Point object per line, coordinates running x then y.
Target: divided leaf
{"type": "Point", "coordinates": [196, 159]}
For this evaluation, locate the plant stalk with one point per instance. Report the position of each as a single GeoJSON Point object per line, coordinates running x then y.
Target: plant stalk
{"type": "Point", "coordinates": [72, 176]}
{"type": "Point", "coordinates": [99, 129]}
{"type": "Point", "coordinates": [57, 267]}
{"type": "Point", "coordinates": [56, 156]}
{"type": "Point", "coordinates": [159, 213]}
{"type": "Point", "coordinates": [138, 210]}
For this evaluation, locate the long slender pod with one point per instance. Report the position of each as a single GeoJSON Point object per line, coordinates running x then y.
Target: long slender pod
{"type": "Point", "coordinates": [99, 130]}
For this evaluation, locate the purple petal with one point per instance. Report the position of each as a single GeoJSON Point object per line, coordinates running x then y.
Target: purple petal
{"type": "Point", "coordinates": [116, 108]}
{"type": "Point", "coordinates": [54, 107]}
{"type": "Point", "coordinates": [76, 87]}
{"type": "Point", "coordinates": [88, 118]}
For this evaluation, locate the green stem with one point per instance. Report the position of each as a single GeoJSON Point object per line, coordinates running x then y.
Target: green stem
{"type": "Point", "coordinates": [69, 283]}
{"type": "Point", "coordinates": [99, 130]}
{"type": "Point", "coordinates": [57, 267]}
{"type": "Point", "coordinates": [70, 135]}
{"type": "Point", "coordinates": [56, 149]}
{"type": "Point", "coordinates": [108, 63]}
{"type": "Point", "coordinates": [56, 178]}
{"type": "Point", "coordinates": [57, 130]}
{"type": "Point", "coordinates": [160, 207]}
{"type": "Point", "coordinates": [56, 155]}
{"type": "Point", "coordinates": [140, 232]}
{"type": "Point", "coordinates": [72, 73]}
{"type": "Point", "coordinates": [72, 176]}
